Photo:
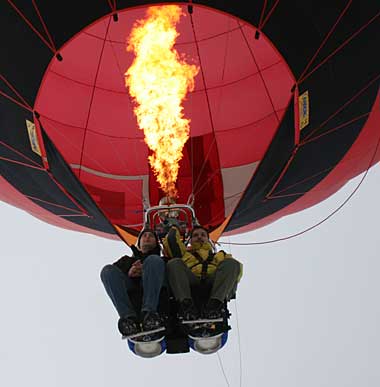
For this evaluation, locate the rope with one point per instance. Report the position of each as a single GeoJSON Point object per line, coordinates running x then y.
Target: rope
{"type": "Point", "coordinates": [20, 154]}
{"type": "Point", "coordinates": [44, 25]}
{"type": "Point", "coordinates": [262, 13]}
{"type": "Point", "coordinates": [92, 97]}
{"type": "Point", "coordinates": [239, 344]}
{"type": "Point", "coordinates": [208, 104]}
{"type": "Point", "coordinates": [222, 368]}
{"type": "Point", "coordinates": [24, 103]}
{"type": "Point", "coordinates": [341, 108]}
{"type": "Point", "coordinates": [332, 29]}
{"type": "Point", "coordinates": [338, 49]}
{"type": "Point", "coordinates": [259, 72]}
{"type": "Point", "coordinates": [34, 29]}
{"type": "Point", "coordinates": [238, 334]}
{"type": "Point", "coordinates": [318, 223]}
{"type": "Point", "coordinates": [261, 27]}
{"type": "Point", "coordinates": [112, 5]}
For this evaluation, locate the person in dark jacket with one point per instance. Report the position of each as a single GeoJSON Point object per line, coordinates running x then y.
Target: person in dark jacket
{"type": "Point", "coordinates": [146, 269]}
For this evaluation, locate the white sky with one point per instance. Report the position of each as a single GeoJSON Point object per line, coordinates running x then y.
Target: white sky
{"type": "Point", "coordinates": [307, 309]}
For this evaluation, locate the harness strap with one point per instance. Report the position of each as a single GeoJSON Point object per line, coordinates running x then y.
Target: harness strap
{"type": "Point", "coordinates": [204, 263]}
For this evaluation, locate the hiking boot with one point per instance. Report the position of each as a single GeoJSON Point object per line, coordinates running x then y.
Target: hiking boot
{"type": "Point", "coordinates": [128, 326]}
{"type": "Point", "coordinates": [188, 311]}
{"type": "Point", "coordinates": [151, 321]}
{"type": "Point", "coordinates": [214, 309]}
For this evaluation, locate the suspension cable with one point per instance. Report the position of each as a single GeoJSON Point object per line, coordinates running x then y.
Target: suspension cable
{"type": "Point", "coordinates": [223, 371]}
{"type": "Point", "coordinates": [238, 331]}
{"type": "Point", "coordinates": [320, 222]}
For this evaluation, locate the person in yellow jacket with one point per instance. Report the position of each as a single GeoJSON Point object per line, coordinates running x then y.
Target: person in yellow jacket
{"type": "Point", "coordinates": [190, 267]}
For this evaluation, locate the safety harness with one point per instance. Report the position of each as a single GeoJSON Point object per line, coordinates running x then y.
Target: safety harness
{"type": "Point", "coordinates": [202, 262]}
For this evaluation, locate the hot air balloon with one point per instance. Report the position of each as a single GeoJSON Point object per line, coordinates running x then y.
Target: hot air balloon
{"type": "Point", "coordinates": [285, 110]}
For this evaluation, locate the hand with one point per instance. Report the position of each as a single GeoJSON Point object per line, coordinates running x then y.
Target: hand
{"type": "Point", "coordinates": [136, 269]}
{"type": "Point", "coordinates": [136, 251]}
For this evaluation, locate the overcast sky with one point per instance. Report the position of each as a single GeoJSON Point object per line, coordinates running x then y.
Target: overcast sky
{"type": "Point", "coordinates": [307, 312]}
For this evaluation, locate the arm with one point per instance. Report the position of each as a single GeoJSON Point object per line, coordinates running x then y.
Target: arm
{"type": "Point", "coordinates": [125, 263]}
{"type": "Point", "coordinates": [174, 247]}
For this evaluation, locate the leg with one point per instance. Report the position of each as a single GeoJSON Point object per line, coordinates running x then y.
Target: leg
{"type": "Point", "coordinates": [181, 279]}
{"type": "Point", "coordinates": [153, 278]}
{"type": "Point", "coordinates": [117, 285]}
{"type": "Point", "coordinates": [225, 279]}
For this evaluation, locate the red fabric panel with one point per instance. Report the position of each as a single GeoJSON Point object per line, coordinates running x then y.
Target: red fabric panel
{"type": "Point", "coordinates": [207, 181]}
{"type": "Point", "coordinates": [110, 155]}
{"type": "Point", "coordinates": [84, 102]}
{"type": "Point", "coordinates": [64, 100]}
{"type": "Point", "coordinates": [114, 64]}
{"type": "Point", "coordinates": [112, 115]}
{"type": "Point", "coordinates": [251, 141]}
{"type": "Point", "coordinates": [264, 51]}
{"type": "Point", "coordinates": [279, 84]}
{"type": "Point", "coordinates": [208, 23]}
{"type": "Point", "coordinates": [240, 103]}
{"type": "Point", "coordinates": [81, 72]}
{"type": "Point", "coordinates": [226, 59]}
{"type": "Point", "coordinates": [196, 109]}
{"type": "Point", "coordinates": [115, 196]}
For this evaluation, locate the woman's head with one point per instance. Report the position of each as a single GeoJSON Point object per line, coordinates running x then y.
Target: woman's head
{"type": "Point", "coordinates": [148, 241]}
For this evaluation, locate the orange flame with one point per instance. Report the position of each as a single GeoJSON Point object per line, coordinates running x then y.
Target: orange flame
{"type": "Point", "coordinates": [158, 81]}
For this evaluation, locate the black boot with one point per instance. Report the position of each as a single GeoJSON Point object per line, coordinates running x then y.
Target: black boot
{"type": "Point", "coordinates": [187, 310]}
{"type": "Point", "coordinates": [151, 321]}
{"type": "Point", "coordinates": [128, 326]}
{"type": "Point", "coordinates": [214, 309]}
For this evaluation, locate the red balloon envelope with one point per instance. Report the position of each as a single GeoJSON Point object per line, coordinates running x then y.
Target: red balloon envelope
{"type": "Point", "coordinates": [284, 112]}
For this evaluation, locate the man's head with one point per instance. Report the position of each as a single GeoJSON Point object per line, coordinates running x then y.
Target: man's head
{"type": "Point", "coordinates": [147, 240]}
{"type": "Point", "coordinates": [199, 235]}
